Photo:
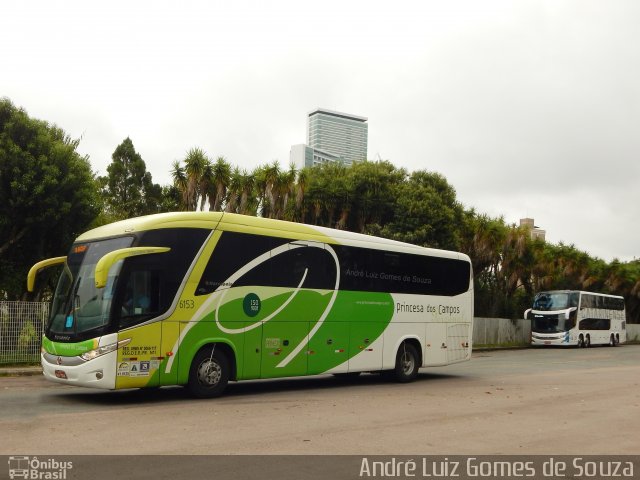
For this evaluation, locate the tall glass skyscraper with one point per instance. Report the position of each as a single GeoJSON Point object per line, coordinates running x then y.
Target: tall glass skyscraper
{"type": "Point", "coordinates": [340, 134]}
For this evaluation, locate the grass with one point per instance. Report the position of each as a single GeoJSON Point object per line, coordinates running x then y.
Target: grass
{"type": "Point", "coordinates": [18, 359]}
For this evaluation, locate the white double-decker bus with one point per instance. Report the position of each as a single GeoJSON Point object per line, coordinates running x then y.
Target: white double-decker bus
{"type": "Point", "coordinates": [571, 317]}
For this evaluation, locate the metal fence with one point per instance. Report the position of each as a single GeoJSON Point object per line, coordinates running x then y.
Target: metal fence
{"type": "Point", "coordinates": [21, 327]}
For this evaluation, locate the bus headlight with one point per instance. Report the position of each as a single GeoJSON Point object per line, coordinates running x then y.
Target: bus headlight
{"type": "Point", "coordinates": [91, 354]}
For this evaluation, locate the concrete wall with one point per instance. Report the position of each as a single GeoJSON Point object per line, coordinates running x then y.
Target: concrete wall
{"type": "Point", "coordinates": [633, 332]}
{"type": "Point", "coordinates": [501, 331]}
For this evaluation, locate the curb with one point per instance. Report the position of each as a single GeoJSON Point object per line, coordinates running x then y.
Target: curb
{"type": "Point", "coordinates": [20, 371]}
{"type": "Point", "coordinates": [493, 349]}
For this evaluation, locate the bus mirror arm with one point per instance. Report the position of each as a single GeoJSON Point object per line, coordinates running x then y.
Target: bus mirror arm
{"type": "Point", "coordinates": [107, 261]}
{"type": "Point", "coordinates": [33, 271]}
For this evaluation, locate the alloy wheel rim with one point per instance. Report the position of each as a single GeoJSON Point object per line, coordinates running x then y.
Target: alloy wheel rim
{"type": "Point", "coordinates": [407, 363]}
{"type": "Point", "coordinates": [209, 373]}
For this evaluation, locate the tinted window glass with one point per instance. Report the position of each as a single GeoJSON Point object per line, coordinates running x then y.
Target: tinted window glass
{"type": "Point", "coordinates": [380, 271]}
{"type": "Point", "coordinates": [288, 264]}
{"type": "Point", "coordinates": [150, 282]}
{"type": "Point", "coordinates": [361, 269]}
{"type": "Point", "coordinates": [313, 263]}
{"type": "Point", "coordinates": [232, 252]}
{"type": "Point", "coordinates": [588, 301]}
{"type": "Point", "coordinates": [595, 324]}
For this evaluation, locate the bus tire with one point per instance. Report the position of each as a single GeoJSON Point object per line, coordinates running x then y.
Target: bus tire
{"type": "Point", "coordinates": [612, 340]}
{"type": "Point", "coordinates": [581, 341]}
{"type": "Point", "coordinates": [587, 341]}
{"type": "Point", "coordinates": [407, 365]}
{"type": "Point", "coordinates": [209, 373]}
{"type": "Point", "coordinates": [617, 340]}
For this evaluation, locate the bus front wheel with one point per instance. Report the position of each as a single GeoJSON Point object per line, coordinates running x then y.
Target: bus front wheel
{"type": "Point", "coordinates": [406, 363]}
{"type": "Point", "coordinates": [209, 373]}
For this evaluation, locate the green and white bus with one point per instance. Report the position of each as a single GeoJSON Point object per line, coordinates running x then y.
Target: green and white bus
{"type": "Point", "coordinates": [203, 298]}
{"type": "Point", "coordinates": [573, 317]}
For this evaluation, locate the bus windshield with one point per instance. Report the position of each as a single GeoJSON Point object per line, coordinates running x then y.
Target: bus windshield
{"type": "Point", "coordinates": [78, 306]}
{"type": "Point", "coordinates": [552, 323]}
{"type": "Point", "coordinates": [551, 301]}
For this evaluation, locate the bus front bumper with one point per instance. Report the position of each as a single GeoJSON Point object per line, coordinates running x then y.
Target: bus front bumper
{"type": "Point", "coordinates": [559, 339]}
{"type": "Point", "coordinates": [97, 373]}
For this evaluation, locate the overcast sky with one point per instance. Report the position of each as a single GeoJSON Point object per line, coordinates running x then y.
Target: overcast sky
{"type": "Point", "coordinates": [528, 108]}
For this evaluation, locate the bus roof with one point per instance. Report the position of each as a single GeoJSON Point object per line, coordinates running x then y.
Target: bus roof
{"type": "Point", "coordinates": [258, 225]}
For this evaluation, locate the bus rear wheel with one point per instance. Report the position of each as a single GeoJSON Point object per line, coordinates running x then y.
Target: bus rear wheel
{"type": "Point", "coordinates": [209, 373]}
{"type": "Point", "coordinates": [581, 341]}
{"type": "Point", "coordinates": [612, 341]}
{"type": "Point", "coordinates": [407, 365]}
{"type": "Point", "coordinates": [587, 341]}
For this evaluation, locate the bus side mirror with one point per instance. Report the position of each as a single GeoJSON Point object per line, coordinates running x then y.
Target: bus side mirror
{"type": "Point", "coordinates": [33, 271]}
{"type": "Point", "coordinates": [526, 313]}
{"type": "Point", "coordinates": [106, 262]}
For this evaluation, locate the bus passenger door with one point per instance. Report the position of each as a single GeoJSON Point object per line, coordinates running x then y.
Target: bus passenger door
{"type": "Point", "coordinates": [170, 334]}
{"type": "Point", "coordinates": [137, 360]}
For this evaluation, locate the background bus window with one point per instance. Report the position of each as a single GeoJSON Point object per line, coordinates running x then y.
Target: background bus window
{"type": "Point", "coordinates": [595, 324]}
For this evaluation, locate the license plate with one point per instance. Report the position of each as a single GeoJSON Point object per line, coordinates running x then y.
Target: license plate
{"type": "Point", "coordinates": [61, 374]}
{"type": "Point", "coordinates": [547, 342]}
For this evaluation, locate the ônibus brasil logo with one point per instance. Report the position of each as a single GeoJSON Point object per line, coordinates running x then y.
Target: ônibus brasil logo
{"type": "Point", "coordinates": [34, 468]}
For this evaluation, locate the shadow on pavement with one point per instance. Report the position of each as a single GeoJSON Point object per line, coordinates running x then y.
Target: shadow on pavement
{"type": "Point", "coordinates": [246, 390]}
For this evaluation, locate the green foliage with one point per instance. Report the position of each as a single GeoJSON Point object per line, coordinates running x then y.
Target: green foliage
{"type": "Point", "coordinates": [48, 195]}
{"type": "Point", "coordinates": [426, 212]}
{"type": "Point", "coordinates": [421, 208]}
{"type": "Point", "coordinates": [359, 198]}
{"type": "Point", "coordinates": [128, 188]}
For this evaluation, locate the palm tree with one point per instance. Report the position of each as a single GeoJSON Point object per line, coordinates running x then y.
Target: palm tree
{"type": "Point", "coordinates": [301, 187]}
{"type": "Point", "coordinates": [205, 185]}
{"type": "Point", "coordinates": [287, 191]}
{"type": "Point", "coordinates": [233, 191]}
{"type": "Point", "coordinates": [180, 182]}
{"type": "Point", "coordinates": [221, 176]}
{"type": "Point", "coordinates": [248, 198]}
{"type": "Point", "coordinates": [195, 164]}
{"type": "Point", "coordinates": [271, 174]}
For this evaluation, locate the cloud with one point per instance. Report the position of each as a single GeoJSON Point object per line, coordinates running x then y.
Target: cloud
{"type": "Point", "coordinates": [528, 108]}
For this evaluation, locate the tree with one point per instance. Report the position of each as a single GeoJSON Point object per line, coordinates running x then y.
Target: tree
{"type": "Point", "coordinates": [425, 212]}
{"type": "Point", "coordinates": [195, 164]}
{"type": "Point", "coordinates": [374, 193]}
{"type": "Point", "coordinates": [48, 195]}
{"type": "Point", "coordinates": [220, 178]}
{"type": "Point", "coordinates": [128, 187]}
{"type": "Point", "coordinates": [180, 183]}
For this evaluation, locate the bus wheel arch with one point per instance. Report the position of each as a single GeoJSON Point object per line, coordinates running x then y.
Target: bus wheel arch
{"type": "Point", "coordinates": [408, 361]}
{"type": "Point", "coordinates": [211, 369]}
